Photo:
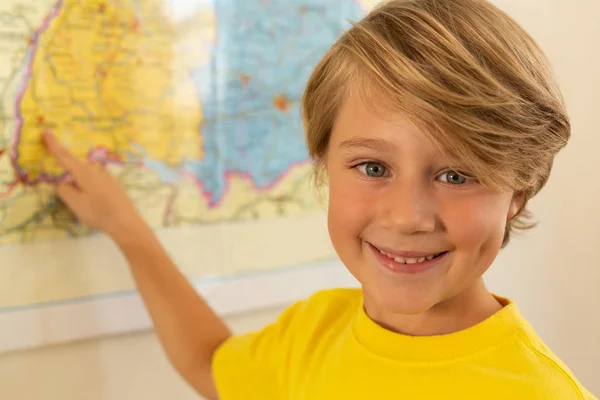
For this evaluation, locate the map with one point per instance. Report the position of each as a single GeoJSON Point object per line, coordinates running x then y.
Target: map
{"type": "Point", "coordinates": [192, 104]}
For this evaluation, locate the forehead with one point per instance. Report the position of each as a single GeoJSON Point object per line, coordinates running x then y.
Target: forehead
{"type": "Point", "coordinates": [362, 121]}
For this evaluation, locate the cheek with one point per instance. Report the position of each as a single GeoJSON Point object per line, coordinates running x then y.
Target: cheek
{"type": "Point", "coordinates": [476, 225]}
{"type": "Point", "coordinates": [350, 207]}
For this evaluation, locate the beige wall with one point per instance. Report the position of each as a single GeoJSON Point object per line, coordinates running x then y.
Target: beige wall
{"type": "Point", "coordinates": [117, 368]}
{"type": "Point", "coordinates": [554, 274]}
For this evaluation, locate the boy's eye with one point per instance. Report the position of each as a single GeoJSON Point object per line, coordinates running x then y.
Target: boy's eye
{"type": "Point", "coordinates": [372, 169]}
{"type": "Point", "coordinates": [453, 178]}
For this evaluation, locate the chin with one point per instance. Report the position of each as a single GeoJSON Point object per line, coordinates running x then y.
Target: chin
{"type": "Point", "coordinates": [403, 301]}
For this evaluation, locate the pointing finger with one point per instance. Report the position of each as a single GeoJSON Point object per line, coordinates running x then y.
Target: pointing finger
{"type": "Point", "coordinates": [63, 156]}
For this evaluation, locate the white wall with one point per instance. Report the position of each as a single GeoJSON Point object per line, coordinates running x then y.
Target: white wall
{"type": "Point", "coordinates": [554, 274]}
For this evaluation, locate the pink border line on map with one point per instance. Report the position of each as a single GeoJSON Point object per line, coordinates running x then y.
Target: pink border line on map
{"type": "Point", "coordinates": [22, 176]}
{"type": "Point", "coordinates": [229, 175]}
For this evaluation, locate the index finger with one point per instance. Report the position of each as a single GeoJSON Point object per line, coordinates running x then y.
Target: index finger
{"type": "Point", "coordinates": [64, 157]}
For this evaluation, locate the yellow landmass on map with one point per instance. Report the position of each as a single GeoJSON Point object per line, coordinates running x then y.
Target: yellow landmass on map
{"type": "Point", "coordinates": [113, 76]}
{"type": "Point", "coordinates": [16, 20]}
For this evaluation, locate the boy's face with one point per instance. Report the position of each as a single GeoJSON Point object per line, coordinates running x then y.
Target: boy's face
{"type": "Point", "coordinates": [391, 190]}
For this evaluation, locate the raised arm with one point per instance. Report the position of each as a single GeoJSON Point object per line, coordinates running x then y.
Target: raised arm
{"type": "Point", "coordinates": [187, 327]}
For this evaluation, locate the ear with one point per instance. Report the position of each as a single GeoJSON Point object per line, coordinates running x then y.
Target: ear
{"type": "Point", "coordinates": [516, 206]}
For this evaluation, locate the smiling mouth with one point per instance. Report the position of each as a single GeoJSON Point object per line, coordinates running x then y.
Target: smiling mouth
{"type": "Point", "coordinates": [417, 263]}
{"type": "Point", "coordinates": [411, 260]}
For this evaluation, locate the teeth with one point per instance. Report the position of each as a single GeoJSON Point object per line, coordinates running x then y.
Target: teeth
{"type": "Point", "coordinates": [407, 260]}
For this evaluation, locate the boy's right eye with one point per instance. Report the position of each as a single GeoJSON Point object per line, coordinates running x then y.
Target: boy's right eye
{"type": "Point", "coordinates": [372, 169]}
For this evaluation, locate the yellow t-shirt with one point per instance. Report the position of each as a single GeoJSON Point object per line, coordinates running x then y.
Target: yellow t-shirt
{"type": "Point", "coordinates": [327, 348]}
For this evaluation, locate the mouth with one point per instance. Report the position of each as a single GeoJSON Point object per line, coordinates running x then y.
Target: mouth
{"type": "Point", "coordinates": [409, 262]}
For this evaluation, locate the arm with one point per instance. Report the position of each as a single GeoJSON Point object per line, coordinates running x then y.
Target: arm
{"type": "Point", "coordinates": [187, 327]}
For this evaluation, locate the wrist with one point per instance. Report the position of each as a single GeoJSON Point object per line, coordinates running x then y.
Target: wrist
{"type": "Point", "coordinates": [130, 232]}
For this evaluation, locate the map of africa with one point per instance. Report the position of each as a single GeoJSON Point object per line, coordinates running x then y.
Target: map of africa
{"type": "Point", "coordinates": [192, 105]}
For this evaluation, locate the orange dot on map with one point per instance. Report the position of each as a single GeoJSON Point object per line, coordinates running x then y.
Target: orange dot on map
{"type": "Point", "coordinates": [135, 24]}
{"type": "Point", "coordinates": [245, 79]}
{"type": "Point", "coordinates": [41, 119]}
{"type": "Point", "coordinates": [281, 102]}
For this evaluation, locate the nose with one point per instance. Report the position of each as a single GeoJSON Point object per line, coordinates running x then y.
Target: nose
{"type": "Point", "coordinates": [407, 207]}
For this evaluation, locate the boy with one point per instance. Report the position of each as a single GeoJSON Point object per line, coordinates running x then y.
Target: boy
{"type": "Point", "coordinates": [434, 122]}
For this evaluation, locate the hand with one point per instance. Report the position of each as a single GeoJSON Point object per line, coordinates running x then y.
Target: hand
{"type": "Point", "coordinates": [92, 194]}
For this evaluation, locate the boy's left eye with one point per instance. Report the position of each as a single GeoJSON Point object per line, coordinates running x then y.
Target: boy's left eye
{"type": "Point", "coordinates": [453, 178]}
{"type": "Point", "coordinates": [372, 169]}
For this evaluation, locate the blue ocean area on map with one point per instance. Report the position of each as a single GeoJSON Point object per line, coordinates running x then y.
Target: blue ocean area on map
{"type": "Point", "coordinates": [251, 89]}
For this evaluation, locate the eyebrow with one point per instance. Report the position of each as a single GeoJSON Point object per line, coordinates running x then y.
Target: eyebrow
{"type": "Point", "coordinates": [373, 144]}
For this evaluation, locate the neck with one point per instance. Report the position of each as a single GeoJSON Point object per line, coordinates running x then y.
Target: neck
{"type": "Point", "coordinates": [462, 311]}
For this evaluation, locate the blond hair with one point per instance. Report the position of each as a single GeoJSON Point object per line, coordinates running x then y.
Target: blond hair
{"type": "Point", "coordinates": [462, 70]}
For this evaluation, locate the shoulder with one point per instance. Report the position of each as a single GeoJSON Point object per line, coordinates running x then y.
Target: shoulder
{"type": "Point", "coordinates": [331, 305]}
{"type": "Point", "coordinates": [324, 313]}
{"type": "Point", "coordinates": [333, 300]}
{"type": "Point", "coordinates": [323, 307]}
{"type": "Point", "coordinates": [554, 379]}
{"type": "Point", "coordinates": [309, 317]}
{"type": "Point", "coordinates": [300, 325]}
